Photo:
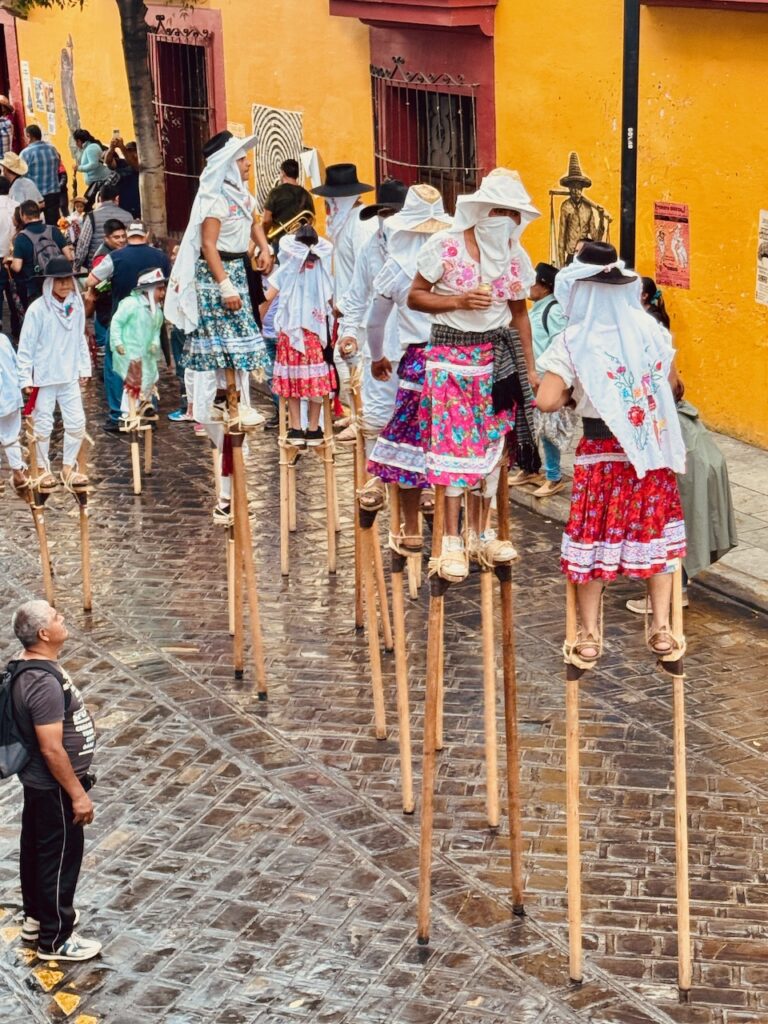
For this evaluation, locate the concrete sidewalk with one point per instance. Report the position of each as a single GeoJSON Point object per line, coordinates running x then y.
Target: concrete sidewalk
{"type": "Point", "coordinates": [742, 574]}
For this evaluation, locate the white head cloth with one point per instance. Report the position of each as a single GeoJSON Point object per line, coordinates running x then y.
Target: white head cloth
{"type": "Point", "coordinates": [621, 357]}
{"type": "Point", "coordinates": [305, 290]}
{"type": "Point", "coordinates": [71, 312]}
{"type": "Point", "coordinates": [339, 211]}
{"type": "Point", "coordinates": [498, 238]}
{"type": "Point", "coordinates": [409, 229]}
{"type": "Point", "coordinates": [221, 176]}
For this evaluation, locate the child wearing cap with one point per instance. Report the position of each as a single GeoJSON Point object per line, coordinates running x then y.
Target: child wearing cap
{"type": "Point", "coordinates": [53, 361]}
{"type": "Point", "coordinates": [134, 337]}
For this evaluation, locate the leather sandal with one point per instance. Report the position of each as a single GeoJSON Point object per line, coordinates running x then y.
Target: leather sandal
{"type": "Point", "coordinates": [406, 544]}
{"type": "Point", "coordinates": [451, 564]}
{"type": "Point", "coordinates": [427, 501]}
{"type": "Point", "coordinates": [74, 480]}
{"type": "Point", "coordinates": [46, 484]}
{"type": "Point", "coordinates": [574, 653]}
{"type": "Point", "coordinates": [665, 645]}
{"type": "Point", "coordinates": [371, 496]}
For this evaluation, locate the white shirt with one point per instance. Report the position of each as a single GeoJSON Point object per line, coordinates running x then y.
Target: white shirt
{"type": "Point", "coordinates": [24, 188]}
{"type": "Point", "coordinates": [48, 352]}
{"type": "Point", "coordinates": [355, 305]}
{"type": "Point", "coordinates": [10, 392]}
{"type": "Point", "coordinates": [445, 262]}
{"type": "Point", "coordinates": [235, 229]}
{"type": "Point", "coordinates": [413, 327]}
{"type": "Point", "coordinates": [7, 227]}
{"type": "Point", "coordinates": [557, 360]}
{"type": "Point", "coordinates": [349, 243]}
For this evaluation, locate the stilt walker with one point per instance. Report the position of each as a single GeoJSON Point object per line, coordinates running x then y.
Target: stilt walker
{"type": "Point", "coordinates": [472, 281]}
{"type": "Point", "coordinates": [37, 493]}
{"type": "Point", "coordinates": [616, 364]}
{"type": "Point", "coordinates": [209, 300]}
{"type": "Point", "coordinates": [81, 497]}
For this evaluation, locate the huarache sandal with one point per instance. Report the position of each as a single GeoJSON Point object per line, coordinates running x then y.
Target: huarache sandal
{"type": "Point", "coordinates": [665, 645]}
{"type": "Point", "coordinates": [585, 652]}
{"type": "Point", "coordinates": [427, 501]}
{"type": "Point", "coordinates": [46, 483]}
{"type": "Point", "coordinates": [371, 496]}
{"type": "Point", "coordinates": [451, 564]}
{"type": "Point", "coordinates": [20, 482]}
{"type": "Point", "coordinates": [406, 544]}
{"type": "Point", "coordinates": [74, 480]}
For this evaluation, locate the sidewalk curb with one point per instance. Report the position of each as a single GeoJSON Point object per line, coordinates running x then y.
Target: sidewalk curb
{"type": "Point", "coordinates": [726, 582]}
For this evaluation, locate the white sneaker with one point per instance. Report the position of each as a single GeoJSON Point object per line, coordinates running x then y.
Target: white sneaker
{"type": "Point", "coordinates": [74, 948]}
{"type": "Point", "coordinates": [30, 928]}
{"type": "Point", "coordinates": [249, 418]}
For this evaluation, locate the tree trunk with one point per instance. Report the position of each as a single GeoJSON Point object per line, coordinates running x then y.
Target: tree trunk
{"type": "Point", "coordinates": [133, 25]}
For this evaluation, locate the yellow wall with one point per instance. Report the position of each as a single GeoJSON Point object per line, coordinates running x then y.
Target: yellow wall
{"type": "Point", "coordinates": [702, 141]}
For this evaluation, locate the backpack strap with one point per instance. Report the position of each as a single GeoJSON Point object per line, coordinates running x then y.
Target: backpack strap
{"type": "Point", "coordinates": [17, 668]}
{"type": "Point", "coordinates": [547, 311]}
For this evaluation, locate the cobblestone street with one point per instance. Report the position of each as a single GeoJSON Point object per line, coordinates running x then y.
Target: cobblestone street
{"type": "Point", "coordinates": [249, 862]}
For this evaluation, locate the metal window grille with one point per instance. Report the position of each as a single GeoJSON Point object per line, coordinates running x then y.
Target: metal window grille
{"type": "Point", "coordinates": [425, 129]}
{"type": "Point", "coordinates": [180, 65]}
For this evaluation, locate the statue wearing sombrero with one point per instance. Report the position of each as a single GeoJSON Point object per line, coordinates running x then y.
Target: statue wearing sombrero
{"type": "Point", "coordinates": [580, 218]}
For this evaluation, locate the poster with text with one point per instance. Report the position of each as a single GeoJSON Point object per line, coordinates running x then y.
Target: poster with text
{"type": "Point", "coordinates": [26, 87]}
{"type": "Point", "coordinates": [39, 94]}
{"type": "Point", "coordinates": [672, 244]}
{"type": "Point", "coordinates": [761, 294]}
{"type": "Point", "coordinates": [51, 124]}
{"type": "Point", "coordinates": [50, 98]}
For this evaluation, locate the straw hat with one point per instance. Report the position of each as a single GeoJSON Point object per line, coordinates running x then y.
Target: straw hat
{"type": "Point", "coordinates": [422, 212]}
{"type": "Point", "coordinates": [575, 178]}
{"type": "Point", "coordinates": [14, 163]}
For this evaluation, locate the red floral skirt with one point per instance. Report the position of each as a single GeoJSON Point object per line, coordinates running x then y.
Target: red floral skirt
{"type": "Point", "coordinates": [619, 524]}
{"type": "Point", "coordinates": [301, 374]}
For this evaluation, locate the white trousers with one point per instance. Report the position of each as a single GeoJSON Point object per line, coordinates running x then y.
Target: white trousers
{"type": "Point", "coordinates": [70, 403]}
{"type": "Point", "coordinates": [10, 429]}
{"type": "Point", "coordinates": [202, 386]}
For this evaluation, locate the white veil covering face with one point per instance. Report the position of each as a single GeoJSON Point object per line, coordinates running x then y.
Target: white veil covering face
{"type": "Point", "coordinates": [498, 238]}
{"type": "Point", "coordinates": [221, 176]}
{"type": "Point", "coordinates": [305, 292]}
{"type": "Point", "coordinates": [71, 312]}
{"type": "Point", "coordinates": [421, 216]}
{"type": "Point", "coordinates": [339, 211]}
{"type": "Point", "coordinates": [622, 358]}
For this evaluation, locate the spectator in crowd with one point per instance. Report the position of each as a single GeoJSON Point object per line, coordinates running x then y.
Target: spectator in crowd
{"type": "Point", "coordinates": [6, 126]}
{"type": "Point", "coordinates": [22, 187]}
{"type": "Point", "coordinates": [90, 164]}
{"type": "Point", "coordinates": [122, 268]}
{"type": "Point", "coordinates": [99, 301]}
{"type": "Point", "coordinates": [92, 229]}
{"type": "Point", "coordinates": [286, 199]}
{"type": "Point", "coordinates": [123, 159]}
{"type": "Point", "coordinates": [63, 190]}
{"type": "Point", "coordinates": [58, 731]}
{"type": "Point", "coordinates": [76, 219]}
{"type": "Point", "coordinates": [35, 245]}
{"type": "Point", "coordinates": [43, 161]}
{"type": "Point", "coordinates": [7, 232]}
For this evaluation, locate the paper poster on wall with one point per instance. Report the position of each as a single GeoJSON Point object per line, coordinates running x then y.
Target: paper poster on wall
{"type": "Point", "coordinates": [237, 129]}
{"type": "Point", "coordinates": [50, 98]}
{"type": "Point", "coordinates": [761, 294]}
{"type": "Point", "coordinates": [672, 243]}
{"type": "Point", "coordinates": [39, 95]}
{"type": "Point", "coordinates": [51, 124]}
{"type": "Point", "coordinates": [26, 86]}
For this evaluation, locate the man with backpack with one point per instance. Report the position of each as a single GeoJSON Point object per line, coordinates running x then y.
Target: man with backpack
{"type": "Point", "coordinates": [35, 246]}
{"type": "Point", "coordinates": [43, 713]}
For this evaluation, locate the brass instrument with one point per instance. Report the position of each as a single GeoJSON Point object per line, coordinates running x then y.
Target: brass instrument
{"type": "Point", "coordinates": [291, 225]}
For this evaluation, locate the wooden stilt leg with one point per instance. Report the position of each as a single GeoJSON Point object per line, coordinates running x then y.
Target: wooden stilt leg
{"type": "Point", "coordinates": [573, 675]}
{"type": "Point", "coordinates": [489, 699]}
{"type": "Point", "coordinates": [331, 512]}
{"type": "Point", "coordinates": [401, 660]}
{"type": "Point", "coordinates": [292, 462]}
{"type": "Point", "coordinates": [148, 441]}
{"type": "Point", "coordinates": [238, 627]}
{"type": "Point", "coordinates": [434, 644]}
{"type": "Point", "coordinates": [509, 673]}
{"type": "Point", "coordinates": [135, 457]}
{"type": "Point", "coordinates": [369, 541]}
{"type": "Point", "coordinates": [37, 507]}
{"type": "Point", "coordinates": [243, 534]}
{"type": "Point", "coordinates": [85, 540]}
{"type": "Point", "coordinates": [440, 720]}
{"type": "Point", "coordinates": [381, 589]}
{"type": "Point", "coordinates": [359, 480]}
{"type": "Point", "coordinates": [285, 497]}
{"type": "Point", "coordinates": [681, 800]}
{"type": "Point", "coordinates": [231, 572]}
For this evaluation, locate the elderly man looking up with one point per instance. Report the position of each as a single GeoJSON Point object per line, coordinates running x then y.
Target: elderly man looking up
{"type": "Point", "coordinates": [58, 733]}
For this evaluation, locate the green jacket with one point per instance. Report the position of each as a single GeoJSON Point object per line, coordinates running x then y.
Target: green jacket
{"type": "Point", "coordinates": [137, 332]}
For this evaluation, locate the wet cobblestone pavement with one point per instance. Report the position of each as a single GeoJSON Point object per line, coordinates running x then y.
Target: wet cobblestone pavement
{"type": "Point", "coordinates": [249, 862]}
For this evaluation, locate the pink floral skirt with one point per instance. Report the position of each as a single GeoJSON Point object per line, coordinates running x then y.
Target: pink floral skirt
{"type": "Point", "coordinates": [301, 374]}
{"type": "Point", "coordinates": [619, 524]}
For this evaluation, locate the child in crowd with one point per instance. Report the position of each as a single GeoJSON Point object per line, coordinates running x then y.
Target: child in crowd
{"type": "Point", "coordinates": [306, 294]}
{"type": "Point", "coordinates": [53, 360]}
{"type": "Point", "coordinates": [268, 311]}
{"type": "Point", "coordinates": [134, 336]}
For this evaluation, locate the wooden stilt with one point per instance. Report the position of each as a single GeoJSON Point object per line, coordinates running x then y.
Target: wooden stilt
{"type": "Point", "coordinates": [85, 540]}
{"type": "Point", "coordinates": [489, 699]}
{"type": "Point", "coordinates": [231, 572]}
{"type": "Point", "coordinates": [572, 677]}
{"type": "Point", "coordinates": [684, 970]}
{"type": "Point", "coordinates": [148, 441]}
{"type": "Point", "coordinates": [369, 542]}
{"type": "Point", "coordinates": [359, 480]}
{"type": "Point", "coordinates": [434, 643]}
{"type": "Point", "coordinates": [401, 660]}
{"type": "Point", "coordinates": [381, 589]}
{"type": "Point", "coordinates": [331, 510]}
{"type": "Point", "coordinates": [285, 495]}
{"type": "Point", "coordinates": [293, 458]}
{"type": "Point", "coordinates": [509, 674]}
{"type": "Point", "coordinates": [135, 457]}
{"type": "Point", "coordinates": [243, 535]}
{"type": "Point", "coordinates": [413, 566]}
{"type": "Point", "coordinates": [440, 719]}
{"type": "Point", "coordinates": [237, 630]}
{"type": "Point", "coordinates": [37, 506]}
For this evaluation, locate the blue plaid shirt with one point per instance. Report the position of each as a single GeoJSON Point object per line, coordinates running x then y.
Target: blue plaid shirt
{"type": "Point", "coordinates": [43, 162]}
{"type": "Point", "coordinates": [6, 135]}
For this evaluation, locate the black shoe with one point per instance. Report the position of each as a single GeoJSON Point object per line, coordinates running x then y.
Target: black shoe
{"type": "Point", "coordinates": [315, 438]}
{"type": "Point", "coordinates": [296, 438]}
{"type": "Point", "coordinates": [112, 426]}
{"type": "Point", "coordinates": [272, 424]}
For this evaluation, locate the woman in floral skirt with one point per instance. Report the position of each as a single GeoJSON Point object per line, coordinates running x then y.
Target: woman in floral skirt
{"type": "Point", "coordinates": [617, 365]}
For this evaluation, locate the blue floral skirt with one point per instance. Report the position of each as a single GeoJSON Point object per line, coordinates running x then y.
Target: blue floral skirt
{"type": "Point", "coordinates": [399, 456]}
{"type": "Point", "coordinates": [224, 339]}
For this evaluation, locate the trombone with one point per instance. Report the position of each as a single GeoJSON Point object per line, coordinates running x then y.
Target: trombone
{"type": "Point", "coordinates": [291, 225]}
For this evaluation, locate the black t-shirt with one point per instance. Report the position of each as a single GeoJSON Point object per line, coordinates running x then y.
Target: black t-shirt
{"type": "Point", "coordinates": [23, 249]}
{"type": "Point", "coordinates": [40, 699]}
{"type": "Point", "coordinates": [285, 201]}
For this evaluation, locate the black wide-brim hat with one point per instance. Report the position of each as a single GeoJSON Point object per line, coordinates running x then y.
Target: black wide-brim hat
{"type": "Point", "coordinates": [390, 195]}
{"type": "Point", "coordinates": [216, 142]}
{"type": "Point", "coordinates": [603, 254]}
{"type": "Point", "coordinates": [341, 180]}
{"type": "Point", "coordinates": [59, 266]}
{"type": "Point", "coordinates": [546, 274]}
